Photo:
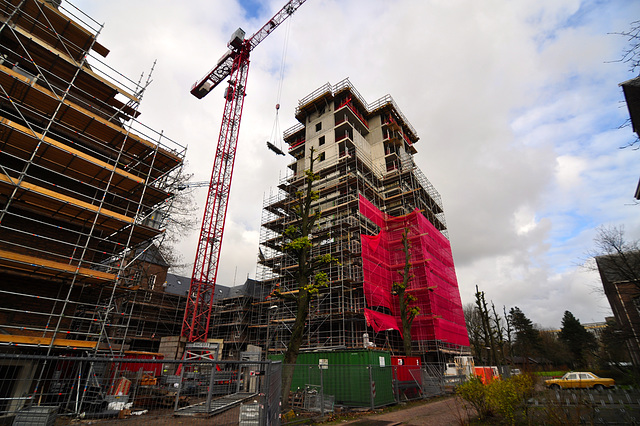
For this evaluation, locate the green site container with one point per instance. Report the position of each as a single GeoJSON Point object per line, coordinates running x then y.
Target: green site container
{"type": "Point", "coordinates": [360, 378]}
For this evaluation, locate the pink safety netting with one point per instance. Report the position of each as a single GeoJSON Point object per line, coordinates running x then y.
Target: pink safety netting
{"type": "Point", "coordinates": [434, 282]}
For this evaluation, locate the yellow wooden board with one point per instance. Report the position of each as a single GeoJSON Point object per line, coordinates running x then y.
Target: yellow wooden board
{"type": "Point", "coordinates": [69, 200]}
{"type": "Point", "coordinates": [38, 263]}
{"type": "Point", "coordinates": [46, 341]}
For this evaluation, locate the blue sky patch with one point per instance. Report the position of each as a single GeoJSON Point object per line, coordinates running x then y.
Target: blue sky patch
{"type": "Point", "coordinates": [252, 8]}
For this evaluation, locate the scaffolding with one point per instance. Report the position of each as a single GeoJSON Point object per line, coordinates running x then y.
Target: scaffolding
{"type": "Point", "coordinates": [84, 187]}
{"type": "Point", "coordinates": [364, 151]}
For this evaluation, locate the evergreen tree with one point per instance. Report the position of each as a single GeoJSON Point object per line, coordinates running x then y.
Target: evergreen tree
{"type": "Point", "coordinates": [527, 339]}
{"type": "Point", "coordinates": [579, 341]}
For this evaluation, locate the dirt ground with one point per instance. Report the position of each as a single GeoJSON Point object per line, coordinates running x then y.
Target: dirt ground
{"type": "Point", "coordinates": [441, 412]}
{"type": "Point", "coordinates": [446, 411]}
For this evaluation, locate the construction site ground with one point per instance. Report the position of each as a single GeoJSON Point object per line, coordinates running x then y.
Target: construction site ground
{"type": "Point", "coordinates": [443, 411]}
{"type": "Point", "coordinates": [439, 411]}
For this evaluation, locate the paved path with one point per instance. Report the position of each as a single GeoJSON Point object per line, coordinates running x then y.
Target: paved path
{"type": "Point", "coordinates": [442, 412]}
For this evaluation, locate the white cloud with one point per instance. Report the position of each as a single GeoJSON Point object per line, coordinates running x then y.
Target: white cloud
{"type": "Point", "coordinates": [569, 171]}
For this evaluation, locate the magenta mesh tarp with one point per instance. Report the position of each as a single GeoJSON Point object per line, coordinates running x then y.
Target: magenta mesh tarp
{"type": "Point", "coordinates": [380, 321]}
{"type": "Point", "coordinates": [434, 282]}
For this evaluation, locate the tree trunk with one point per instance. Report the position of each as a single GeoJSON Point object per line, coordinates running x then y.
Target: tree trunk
{"type": "Point", "coordinates": [406, 335]}
{"type": "Point", "coordinates": [291, 355]}
{"type": "Point", "coordinates": [401, 289]}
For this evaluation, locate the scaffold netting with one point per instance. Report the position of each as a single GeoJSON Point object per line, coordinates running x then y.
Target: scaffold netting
{"type": "Point", "coordinates": [433, 281]}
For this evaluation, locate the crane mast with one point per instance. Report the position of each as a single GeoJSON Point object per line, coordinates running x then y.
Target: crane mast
{"type": "Point", "coordinates": [235, 65]}
{"type": "Point", "coordinates": [201, 291]}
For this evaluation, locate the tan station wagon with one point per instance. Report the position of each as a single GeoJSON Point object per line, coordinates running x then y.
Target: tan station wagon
{"type": "Point", "coordinates": [580, 379]}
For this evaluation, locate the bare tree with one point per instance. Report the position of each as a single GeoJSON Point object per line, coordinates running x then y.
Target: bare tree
{"type": "Point", "coordinates": [407, 312]}
{"type": "Point", "coordinates": [180, 218]}
{"type": "Point", "coordinates": [617, 254]}
{"type": "Point", "coordinates": [509, 332]}
{"type": "Point", "coordinates": [499, 327]}
{"type": "Point", "coordinates": [631, 56]}
{"type": "Point", "coordinates": [491, 337]}
{"type": "Point", "coordinates": [631, 53]}
{"type": "Point", "coordinates": [554, 351]}
{"type": "Point", "coordinates": [474, 329]}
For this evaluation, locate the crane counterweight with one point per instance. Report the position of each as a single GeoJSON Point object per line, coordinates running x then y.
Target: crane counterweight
{"type": "Point", "coordinates": [237, 39]}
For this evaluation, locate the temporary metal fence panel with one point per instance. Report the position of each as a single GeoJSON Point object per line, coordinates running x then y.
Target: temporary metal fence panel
{"type": "Point", "coordinates": [407, 377]}
{"type": "Point", "coordinates": [251, 414]}
{"type": "Point", "coordinates": [43, 390]}
{"type": "Point", "coordinates": [273, 393]}
{"type": "Point", "coordinates": [316, 400]}
{"type": "Point", "coordinates": [36, 416]}
{"type": "Point", "coordinates": [433, 380]}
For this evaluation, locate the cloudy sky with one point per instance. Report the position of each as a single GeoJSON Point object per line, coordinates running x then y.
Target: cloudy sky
{"type": "Point", "coordinates": [516, 103]}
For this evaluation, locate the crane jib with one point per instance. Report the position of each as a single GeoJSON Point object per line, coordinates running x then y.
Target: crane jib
{"type": "Point", "coordinates": [223, 68]}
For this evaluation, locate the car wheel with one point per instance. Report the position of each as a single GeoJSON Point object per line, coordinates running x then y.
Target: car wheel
{"type": "Point", "coordinates": [599, 387]}
{"type": "Point", "coordinates": [554, 387]}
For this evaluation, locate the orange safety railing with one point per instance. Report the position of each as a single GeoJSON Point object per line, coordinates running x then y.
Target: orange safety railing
{"type": "Point", "coordinates": [349, 104]}
{"type": "Point", "coordinates": [296, 144]}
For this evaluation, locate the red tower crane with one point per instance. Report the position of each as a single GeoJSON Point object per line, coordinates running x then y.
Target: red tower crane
{"type": "Point", "coordinates": [235, 65]}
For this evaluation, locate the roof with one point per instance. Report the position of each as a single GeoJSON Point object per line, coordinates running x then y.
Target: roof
{"type": "Point", "coordinates": [619, 267]}
{"type": "Point", "coordinates": [251, 289]}
{"type": "Point", "coordinates": [151, 255]}
{"type": "Point", "coordinates": [523, 360]}
{"type": "Point", "coordinates": [177, 284]}
{"type": "Point", "coordinates": [631, 89]}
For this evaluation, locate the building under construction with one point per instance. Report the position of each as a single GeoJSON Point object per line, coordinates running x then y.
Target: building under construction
{"type": "Point", "coordinates": [85, 188]}
{"type": "Point", "coordinates": [370, 193]}
{"type": "Point", "coordinates": [84, 191]}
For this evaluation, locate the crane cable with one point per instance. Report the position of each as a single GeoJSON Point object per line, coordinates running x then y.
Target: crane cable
{"type": "Point", "coordinates": [276, 134]}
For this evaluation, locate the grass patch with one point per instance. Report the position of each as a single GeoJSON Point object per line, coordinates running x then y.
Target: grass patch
{"type": "Point", "coordinates": [559, 373]}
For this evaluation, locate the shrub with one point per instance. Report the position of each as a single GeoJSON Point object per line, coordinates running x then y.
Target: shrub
{"type": "Point", "coordinates": [505, 397]}
{"type": "Point", "coordinates": [500, 397]}
{"type": "Point", "coordinates": [475, 393]}
{"type": "Point", "coordinates": [526, 384]}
